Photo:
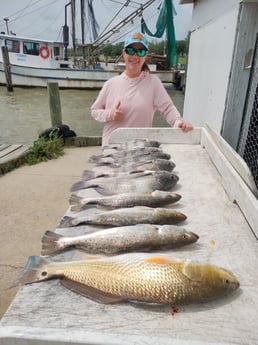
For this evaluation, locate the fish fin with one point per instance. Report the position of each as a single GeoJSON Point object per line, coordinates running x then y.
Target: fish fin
{"type": "Point", "coordinates": [50, 243]}
{"type": "Point", "coordinates": [160, 260]}
{"type": "Point", "coordinates": [89, 175]}
{"type": "Point", "coordinates": [90, 292]}
{"type": "Point", "coordinates": [94, 158]}
{"type": "Point", "coordinates": [66, 222]}
{"type": "Point", "coordinates": [76, 208]}
{"type": "Point", "coordinates": [103, 191]}
{"type": "Point", "coordinates": [93, 257]}
{"type": "Point", "coordinates": [140, 174]}
{"type": "Point", "coordinates": [75, 199]}
{"type": "Point", "coordinates": [137, 164]}
{"type": "Point", "coordinates": [76, 203]}
{"type": "Point", "coordinates": [32, 271]}
{"type": "Point", "coordinates": [136, 171]}
{"type": "Point", "coordinates": [79, 185]}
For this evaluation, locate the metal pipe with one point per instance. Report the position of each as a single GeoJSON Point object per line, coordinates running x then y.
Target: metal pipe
{"type": "Point", "coordinates": [66, 33]}
{"type": "Point", "coordinates": [6, 23]}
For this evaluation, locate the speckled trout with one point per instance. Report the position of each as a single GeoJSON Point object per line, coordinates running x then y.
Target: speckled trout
{"type": "Point", "coordinates": [127, 216]}
{"type": "Point", "coordinates": [110, 160]}
{"type": "Point", "coordinates": [147, 164]}
{"type": "Point", "coordinates": [144, 181]}
{"type": "Point", "coordinates": [137, 277]}
{"type": "Point", "coordinates": [134, 238]}
{"type": "Point", "coordinates": [132, 144]}
{"type": "Point", "coordinates": [154, 199]}
{"type": "Point", "coordinates": [129, 153]}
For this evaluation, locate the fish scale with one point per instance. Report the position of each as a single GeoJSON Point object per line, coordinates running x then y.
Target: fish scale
{"type": "Point", "coordinates": [127, 280]}
{"type": "Point", "coordinates": [141, 277]}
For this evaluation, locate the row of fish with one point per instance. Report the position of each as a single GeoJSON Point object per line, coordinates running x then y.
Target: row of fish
{"type": "Point", "coordinates": [134, 186]}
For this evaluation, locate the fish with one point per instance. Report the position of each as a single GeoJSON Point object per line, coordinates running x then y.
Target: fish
{"type": "Point", "coordinates": [136, 151]}
{"type": "Point", "coordinates": [143, 182]}
{"type": "Point", "coordinates": [160, 164]}
{"type": "Point", "coordinates": [151, 165]}
{"type": "Point", "coordinates": [141, 277]}
{"type": "Point", "coordinates": [143, 237]}
{"type": "Point", "coordinates": [156, 198]}
{"type": "Point", "coordinates": [132, 144]}
{"type": "Point", "coordinates": [127, 216]}
{"type": "Point", "coordinates": [112, 160]}
{"type": "Point", "coordinates": [118, 154]}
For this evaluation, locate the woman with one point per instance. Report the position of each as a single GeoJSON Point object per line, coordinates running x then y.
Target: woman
{"type": "Point", "coordinates": [131, 99]}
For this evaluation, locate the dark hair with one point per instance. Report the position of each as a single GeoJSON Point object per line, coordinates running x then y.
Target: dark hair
{"type": "Point", "coordinates": [145, 67]}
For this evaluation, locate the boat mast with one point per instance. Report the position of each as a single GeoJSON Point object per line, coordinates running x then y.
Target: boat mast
{"type": "Point", "coordinates": [83, 28]}
{"type": "Point", "coordinates": [73, 30]}
{"type": "Point", "coordinates": [66, 33]}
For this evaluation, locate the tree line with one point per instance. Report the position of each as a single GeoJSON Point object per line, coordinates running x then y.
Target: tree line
{"type": "Point", "coordinates": [159, 48]}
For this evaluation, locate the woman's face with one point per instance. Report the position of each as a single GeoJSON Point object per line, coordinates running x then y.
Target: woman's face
{"type": "Point", "coordinates": [134, 62]}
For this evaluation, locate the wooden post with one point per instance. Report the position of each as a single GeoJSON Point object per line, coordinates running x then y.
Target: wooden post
{"type": "Point", "coordinates": [54, 104]}
{"type": "Point", "coordinates": [7, 68]}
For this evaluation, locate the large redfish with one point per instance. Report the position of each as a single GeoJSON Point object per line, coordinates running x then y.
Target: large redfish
{"type": "Point", "coordinates": [140, 277]}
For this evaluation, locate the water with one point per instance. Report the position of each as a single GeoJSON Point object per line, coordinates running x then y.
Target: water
{"type": "Point", "coordinates": [25, 112]}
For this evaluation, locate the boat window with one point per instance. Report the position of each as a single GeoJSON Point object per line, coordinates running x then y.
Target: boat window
{"type": "Point", "coordinates": [31, 48]}
{"type": "Point", "coordinates": [13, 45]}
{"type": "Point", "coordinates": [56, 51]}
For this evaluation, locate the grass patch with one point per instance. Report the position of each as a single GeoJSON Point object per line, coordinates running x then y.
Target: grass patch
{"type": "Point", "coordinates": [44, 149]}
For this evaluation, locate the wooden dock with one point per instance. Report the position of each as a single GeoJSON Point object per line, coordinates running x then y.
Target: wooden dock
{"type": "Point", "coordinates": [11, 156]}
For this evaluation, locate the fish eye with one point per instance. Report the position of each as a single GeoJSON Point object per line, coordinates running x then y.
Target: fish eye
{"type": "Point", "coordinates": [226, 281]}
{"type": "Point", "coordinates": [44, 274]}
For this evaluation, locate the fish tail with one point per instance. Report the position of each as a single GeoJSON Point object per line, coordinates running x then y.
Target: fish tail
{"type": "Point", "coordinates": [93, 159]}
{"type": "Point", "coordinates": [32, 271]}
{"type": "Point", "coordinates": [89, 175]}
{"type": "Point", "coordinates": [66, 222]}
{"type": "Point", "coordinates": [76, 203]}
{"type": "Point", "coordinates": [79, 185]}
{"type": "Point", "coordinates": [96, 159]}
{"type": "Point", "coordinates": [50, 243]}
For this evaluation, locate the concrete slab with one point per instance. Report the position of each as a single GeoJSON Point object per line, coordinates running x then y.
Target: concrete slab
{"type": "Point", "coordinates": [47, 313]}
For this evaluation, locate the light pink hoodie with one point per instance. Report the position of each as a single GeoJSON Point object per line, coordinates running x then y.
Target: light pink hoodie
{"type": "Point", "coordinates": [139, 98]}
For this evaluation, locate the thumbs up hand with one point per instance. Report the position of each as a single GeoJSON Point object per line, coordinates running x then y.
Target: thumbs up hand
{"type": "Point", "coordinates": [116, 114]}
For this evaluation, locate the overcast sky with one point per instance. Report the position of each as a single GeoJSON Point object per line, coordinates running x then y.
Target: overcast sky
{"type": "Point", "coordinates": [44, 18]}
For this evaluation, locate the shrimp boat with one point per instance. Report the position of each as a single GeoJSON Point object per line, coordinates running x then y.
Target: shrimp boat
{"type": "Point", "coordinates": [36, 62]}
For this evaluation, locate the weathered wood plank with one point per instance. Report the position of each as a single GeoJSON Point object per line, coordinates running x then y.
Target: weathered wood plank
{"type": "Point", "coordinates": [4, 146]}
{"type": "Point", "coordinates": [9, 150]}
{"type": "Point", "coordinates": [11, 156]}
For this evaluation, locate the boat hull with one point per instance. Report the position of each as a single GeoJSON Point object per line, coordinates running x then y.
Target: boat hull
{"type": "Point", "coordinates": [66, 77]}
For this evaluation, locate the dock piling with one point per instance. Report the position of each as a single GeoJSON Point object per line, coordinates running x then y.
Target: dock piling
{"type": "Point", "coordinates": [54, 104]}
{"type": "Point", "coordinates": [7, 69]}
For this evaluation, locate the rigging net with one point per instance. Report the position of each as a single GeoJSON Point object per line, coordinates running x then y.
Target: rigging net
{"type": "Point", "coordinates": [165, 21]}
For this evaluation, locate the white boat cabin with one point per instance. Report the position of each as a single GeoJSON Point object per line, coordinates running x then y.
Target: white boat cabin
{"type": "Point", "coordinates": [34, 53]}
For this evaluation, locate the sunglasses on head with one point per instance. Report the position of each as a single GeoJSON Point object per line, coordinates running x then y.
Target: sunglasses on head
{"type": "Point", "coordinates": [138, 52]}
